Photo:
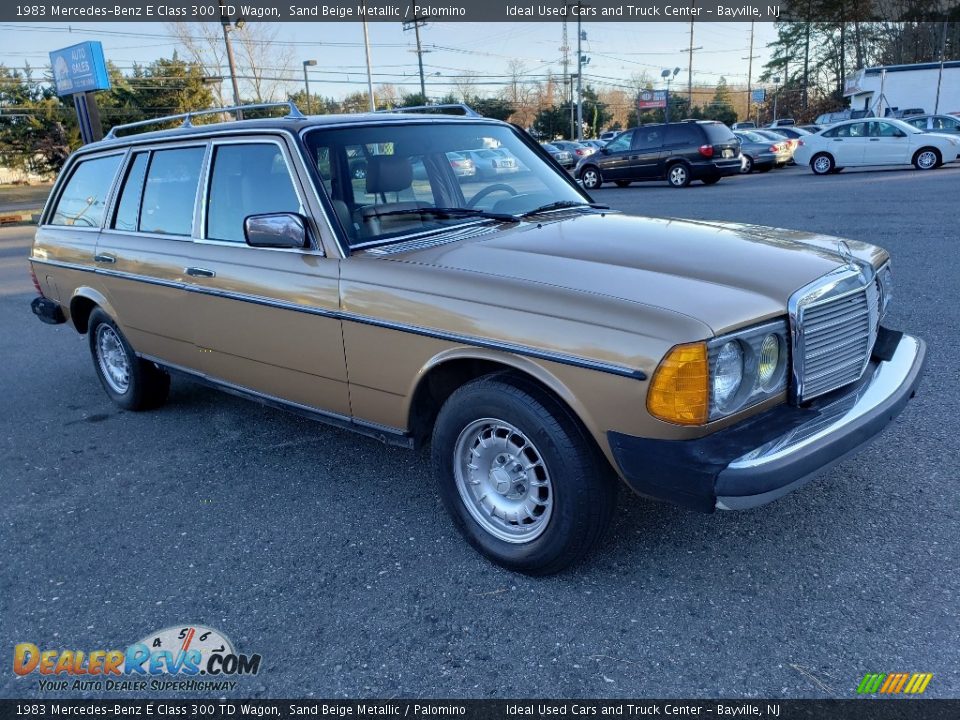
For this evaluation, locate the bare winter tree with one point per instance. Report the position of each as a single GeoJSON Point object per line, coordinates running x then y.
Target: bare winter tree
{"type": "Point", "coordinates": [465, 85]}
{"type": "Point", "coordinates": [262, 61]}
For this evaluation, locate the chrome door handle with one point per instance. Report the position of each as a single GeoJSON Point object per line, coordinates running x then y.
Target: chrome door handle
{"type": "Point", "coordinates": [104, 258]}
{"type": "Point", "coordinates": [200, 272]}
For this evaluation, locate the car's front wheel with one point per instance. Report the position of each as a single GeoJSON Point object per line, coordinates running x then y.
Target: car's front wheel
{"type": "Point", "coordinates": [747, 167]}
{"type": "Point", "coordinates": [926, 159]}
{"type": "Point", "coordinates": [132, 383]}
{"type": "Point", "coordinates": [590, 177]}
{"type": "Point", "coordinates": [822, 164]}
{"type": "Point", "coordinates": [520, 476]}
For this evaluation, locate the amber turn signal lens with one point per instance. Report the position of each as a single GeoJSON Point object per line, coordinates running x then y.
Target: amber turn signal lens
{"type": "Point", "coordinates": [679, 390]}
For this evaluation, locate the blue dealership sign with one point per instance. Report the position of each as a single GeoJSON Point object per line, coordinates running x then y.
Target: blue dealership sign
{"type": "Point", "coordinates": [759, 95]}
{"type": "Point", "coordinates": [79, 68]}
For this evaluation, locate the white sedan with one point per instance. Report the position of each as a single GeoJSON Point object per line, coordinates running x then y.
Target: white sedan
{"type": "Point", "coordinates": [874, 141]}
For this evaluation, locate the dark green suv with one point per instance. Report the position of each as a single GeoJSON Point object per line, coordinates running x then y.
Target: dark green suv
{"type": "Point", "coordinates": [676, 152]}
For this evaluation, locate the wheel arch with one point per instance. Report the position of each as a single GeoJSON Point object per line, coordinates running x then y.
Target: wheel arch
{"type": "Point", "coordinates": [447, 371]}
{"type": "Point", "coordinates": [83, 302]}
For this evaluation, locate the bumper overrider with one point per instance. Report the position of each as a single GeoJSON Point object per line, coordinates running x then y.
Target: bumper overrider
{"type": "Point", "coordinates": [771, 454]}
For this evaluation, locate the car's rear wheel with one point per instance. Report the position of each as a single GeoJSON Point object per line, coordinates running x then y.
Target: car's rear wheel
{"type": "Point", "coordinates": [926, 158]}
{"type": "Point", "coordinates": [590, 176]}
{"type": "Point", "coordinates": [132, 383]}
{"type": "Point", "coordinates": [520, 476]}
{"type": "Point", "coordinates": [822, 164]}
{"type": "Point", "coordinates": [623, 183]}
{"type": "Point", "coordinates": [678, 175]}
{"type": "Point", "coordinates": [747, 166]}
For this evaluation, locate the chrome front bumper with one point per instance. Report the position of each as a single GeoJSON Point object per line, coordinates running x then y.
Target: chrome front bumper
{"type": "Point", "coordinates": [787, 462]}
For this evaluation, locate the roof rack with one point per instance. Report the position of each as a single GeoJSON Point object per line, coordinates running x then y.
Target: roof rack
{"type": "Point", "coordinates": [293, 114]}
{"type": "Point", "coordinates": [462, 108]}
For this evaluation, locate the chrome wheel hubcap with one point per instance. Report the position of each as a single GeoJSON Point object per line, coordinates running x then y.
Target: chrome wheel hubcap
{"type": "Point", "coordinates": [112, 359]}
{"type": "Point", "coordinates": [822, 164]}
{"type": "Point", "coordinates": [678, 175]}
{"type": "Point", "coordinates": [503, 480]}
{"type": "Point", "coordinates": [927, 159]}
{"type": "Point", "coordinates": [590, 178]}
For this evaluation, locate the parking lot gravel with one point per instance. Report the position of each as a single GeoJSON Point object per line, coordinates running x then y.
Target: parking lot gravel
{"type": "Point", "coordinates": [330, 555]}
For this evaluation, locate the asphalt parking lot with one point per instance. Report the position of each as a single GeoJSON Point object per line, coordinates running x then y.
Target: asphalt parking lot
{"type": "Point", "coordinates": [330, 555]}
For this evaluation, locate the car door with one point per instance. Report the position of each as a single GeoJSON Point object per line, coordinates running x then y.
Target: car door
{"type": "Point", "coordinates": [886, 145]}
{"type": "Point", "coordinates": [266, 319]}
{"type": "Point", "coordinates": [144, 248]}
{"type": "Point", "coordinates": [647, 148]}
{"type": "Point", "coordinates": [614, 158]}
{"type": "Point", "coordinates": [846, 143]}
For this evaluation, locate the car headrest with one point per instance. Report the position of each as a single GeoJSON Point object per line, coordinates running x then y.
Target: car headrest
{"type": "Point", "coordinates": [388, 173]}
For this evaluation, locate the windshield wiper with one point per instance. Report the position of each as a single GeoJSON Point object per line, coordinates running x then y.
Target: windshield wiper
{"type": "Point", "coordinates": [453, 212]}
{"type": "Point", "coordinates": [560, 204]}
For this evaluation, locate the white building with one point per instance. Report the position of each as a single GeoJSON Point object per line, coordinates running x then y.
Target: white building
{"type": "Point", "coordinates": [906, 86]}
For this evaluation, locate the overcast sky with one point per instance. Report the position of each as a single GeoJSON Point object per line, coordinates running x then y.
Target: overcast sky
{"type": "Point", "coordinates": [616, 50]}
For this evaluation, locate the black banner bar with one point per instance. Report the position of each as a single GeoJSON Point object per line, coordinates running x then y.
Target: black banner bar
{"type": "Point", "coordinates": [862, 709]}
{"type": "Point", "coordinates": [52, 11]}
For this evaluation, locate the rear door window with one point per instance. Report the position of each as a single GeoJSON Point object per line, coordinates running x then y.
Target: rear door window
{"type": "Point", "coordinates": [169, 195]}
{"type": "Point", "coordinates": [247, 179]}
{"type": "Point", "coordinates": [83, 200]}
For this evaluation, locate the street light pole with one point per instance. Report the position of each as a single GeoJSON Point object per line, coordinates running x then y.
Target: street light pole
{"type": "Point", "coordinates": [306, 83]}
{"type": "Point", "coordinates": [579, 79]}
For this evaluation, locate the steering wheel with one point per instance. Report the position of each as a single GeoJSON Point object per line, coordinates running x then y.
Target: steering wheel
{"type": "Point", "coordinates": [497, 187]}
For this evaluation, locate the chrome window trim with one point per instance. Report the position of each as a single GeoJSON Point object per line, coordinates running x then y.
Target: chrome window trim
{"type": "Point", "coordinates": [854, 277]}
{"type": "Point", "coordinates": [523, 350]}
{"type": "Point", "coordinates": [315, 248]}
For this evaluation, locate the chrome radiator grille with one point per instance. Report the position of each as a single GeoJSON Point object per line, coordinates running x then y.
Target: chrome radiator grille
{"type": "Point", "coordinates": [835, 338]}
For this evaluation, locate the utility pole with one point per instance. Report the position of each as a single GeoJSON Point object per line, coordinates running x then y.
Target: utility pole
{"type": "Point", "coordinates": [750, 57]}
{"type": "Point", "coordinates": [227, 27]}
{"type": "Point", "coordinates": [415, 24]}
{"type": "Point", "coordinates": [806, 56]}
{"type": "Point", "coordinates": [693, 4]}
{"type": "Point", "coordinates": [366, 45]}
{"type": "Point", "coordinates": [306, 82]}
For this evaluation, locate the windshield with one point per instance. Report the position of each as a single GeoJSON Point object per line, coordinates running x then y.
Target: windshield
{"type": "Point", "coordinates": [395, 179]}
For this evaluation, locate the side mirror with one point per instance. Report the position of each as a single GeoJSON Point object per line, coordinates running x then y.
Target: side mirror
{"type": "Point", "coordinates": [604, 150]}
{"type": "Point", "coordinates": [275, 230]}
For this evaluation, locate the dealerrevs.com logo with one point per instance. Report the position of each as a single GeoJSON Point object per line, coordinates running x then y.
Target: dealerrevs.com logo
{"type": "Point", "coordinates": [188, 657]}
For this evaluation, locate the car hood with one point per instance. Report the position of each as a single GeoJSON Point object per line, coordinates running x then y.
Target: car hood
{"type": "Point", "coordinates": [724, 275]}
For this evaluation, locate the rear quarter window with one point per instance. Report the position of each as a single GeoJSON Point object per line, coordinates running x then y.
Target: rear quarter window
{"type": "Point", "coordinates": [718, 133]}
{"type": "Point", "coordinates": [171, 191]}
{"type": "Point", "coordinates": [83, 199]}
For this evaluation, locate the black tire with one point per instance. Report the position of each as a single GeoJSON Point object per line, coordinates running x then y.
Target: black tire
{"type": "Point", "coordinates": [678, 175]}
{"type": "Point", "coordinates": [747, 166]}
{"type": "Point", "coordinates": [581, 488]}
{"type": "Point", "coordinates": [590, 177]}
{"type": "Point", "coordinates": [822, 164]}
{"type": "Point", "coordinates": [927, 158]}
{"type": "Point", "coordinates": [146, 386]}
{"type": "Point", "coordinates": [622, 183]}
{"type": "Point", "coordinates": [710, 180]}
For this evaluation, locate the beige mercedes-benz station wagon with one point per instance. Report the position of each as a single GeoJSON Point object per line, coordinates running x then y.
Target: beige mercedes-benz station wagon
{"type": "Point", "coordinates": [348, 269]}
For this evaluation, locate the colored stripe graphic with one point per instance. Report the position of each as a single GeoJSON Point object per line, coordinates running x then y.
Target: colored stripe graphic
{"type": "Point", "coordinates": [894, 683]}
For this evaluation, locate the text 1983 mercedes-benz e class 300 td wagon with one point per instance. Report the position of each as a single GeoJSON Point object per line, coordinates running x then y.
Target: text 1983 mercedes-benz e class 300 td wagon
{"type": "Point", "coordinates": [543, 344]}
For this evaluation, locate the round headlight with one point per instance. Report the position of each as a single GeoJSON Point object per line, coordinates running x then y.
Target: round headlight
{"type": "Point", "coordinates": [769, 361]}
{"type": "Point", "coordinates": [727, 373]}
